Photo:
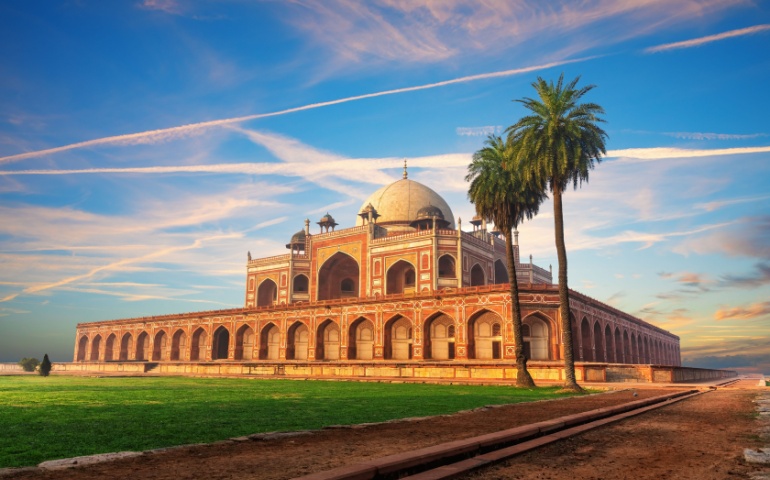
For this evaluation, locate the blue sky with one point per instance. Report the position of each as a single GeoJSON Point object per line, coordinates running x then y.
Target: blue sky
{"type": "Point", "coordinates": [146, 146]}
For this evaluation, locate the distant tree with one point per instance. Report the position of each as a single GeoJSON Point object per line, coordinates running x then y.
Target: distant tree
{"type": "Point", "coordinates": [29, 364]}
{"type": "Point", "coordinates": [502, 196]}
{"type": "Point", "coordinates": [45, 367]}
{"type": "Point", "coordinates": [559, 143]}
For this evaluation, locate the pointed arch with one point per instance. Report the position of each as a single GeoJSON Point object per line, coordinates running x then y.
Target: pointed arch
{"type": "Point", "coordinates": [501, 272]}
{"type": "Point", "coordinates": [126, 346]}
{"type": "Point", "coordinates": [338, 277]}
{"type": "Point", "coordinates": [327, 341]}
{"type": "Point", "coordinates": [82, 347]}
{"type": "Point", "coordinates": [536, 332]}
{"type": "Point", "coordinates": [627, 348]}
{"type": "Point", "coordinates": [160, 346]}
{"type": "Point", "coordinates": [439, 337]}
{"type": "Point", "coordinates": [598, 343]}
{"type": "Point", "coordinates": [301, 283]}
{"type": "Point", "coordinates": [178, 345]}
{"type": "Point", "coordinates": [400, 278]}
{"type": "Point", "coordinates": [446, 266]}
{"type": "Point", "coordinates": [619, 358]}
{"type": "Point", "coordinates": [609, 348]}
{"type": "Point", "coordinates": [267, 293]}
{"type": "Point", "coordinates": [587, 351]}
{"type": "Point", "coordinates": [269, 342]}
{"type": "Point", "coordinates": [220, 343]}
{"type": "Point", "coordinates": [361, 339]}
{"type": "Point", "coordinates": [478, 277]}
{"type": "Point", "coordinates": [96, 344]}
{"type": "Point", "coordinates": [109, 348]}
{"type": "Point", "coordinates": [298, 339]}
{"type": "Point", "coordinates": [198, 345]}
{"type": "Point", "coordinates": [485, 339]}
{"type": "Point", "coordinates": [398, 338]}
{"type": "Point", "coordinates": [142, 346]}
{"type": "Point", "coordinates": [244, 343]}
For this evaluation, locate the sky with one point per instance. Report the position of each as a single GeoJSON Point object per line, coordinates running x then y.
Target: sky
{"type": "Point", "coordinates": [147, 146]}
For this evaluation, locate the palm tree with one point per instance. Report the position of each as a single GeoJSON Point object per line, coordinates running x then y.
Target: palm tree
{"type": "Point", "coordinates": [558, 143]}
{"type": "Point", "coordinates": [501, 196]}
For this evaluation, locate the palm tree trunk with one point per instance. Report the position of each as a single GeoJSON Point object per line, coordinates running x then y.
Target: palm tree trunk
{"type": "Point", "coordinates": [561, 252]}
{"type": "Point", "coordinates": [523, 378]}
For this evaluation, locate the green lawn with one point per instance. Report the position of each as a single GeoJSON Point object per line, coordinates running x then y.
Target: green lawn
{"type": "Point", "coordinates": [59, 417]}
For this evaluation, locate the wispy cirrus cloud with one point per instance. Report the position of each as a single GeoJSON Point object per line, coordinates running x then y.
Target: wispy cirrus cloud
{"type": "Point", "coordinates": [760, 276]}
{"type": "Point", "coordinates": [714, 136]}
{"type": "Point", "coordinates": [750, 312]}
{"type": "Point", "coordinates": [479, 131]}
{"type": "Point", "coordinates": [661, 153]}
{"type": "Point", "coordinates": [697, 42]}
{"type": "Point", "coordinates": [717, 204]}
{"type": "Point", "coordinates": [428, 32]}
{"type": "Point", "coordinates": [184, 131]}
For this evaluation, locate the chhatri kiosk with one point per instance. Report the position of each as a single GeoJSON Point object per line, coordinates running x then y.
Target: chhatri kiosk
{"type": "Point", "coordinates": [404, 290]}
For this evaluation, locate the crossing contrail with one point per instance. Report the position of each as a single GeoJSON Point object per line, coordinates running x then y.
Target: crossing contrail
{"type": "Point", "coordinates": [164, 134]}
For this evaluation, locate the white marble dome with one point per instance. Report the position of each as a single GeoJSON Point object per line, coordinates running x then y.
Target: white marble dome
{"type": "Point", "coordinates": [399, 202]}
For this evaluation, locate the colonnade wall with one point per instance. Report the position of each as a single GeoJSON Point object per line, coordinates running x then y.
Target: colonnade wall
{"type": "Point", "coordinates": [472, 323]}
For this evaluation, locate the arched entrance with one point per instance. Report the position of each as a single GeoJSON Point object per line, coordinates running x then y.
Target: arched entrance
{"type": "Point", "coordinates": [267, 293]}
{"type": "Point", "coordinates": [160, 346]}
{"type": "Point", "coordinates": [398, 339]}
{"type": "Point", "coordinates": [126, 345]}
{"type": "Point", "coordinates": [400, 278]}
{"type": "Point", "coordinates": [446, 267]}
{"type": "Point", "coordinates": [477, 276]}
{"type": "Point", "coordinates": [300, 284]}
{"type": "Point", "coordinates": [599, 343]}
{"type": "Point", "coordinates": [626, 348]}
{"type": "Point", "coordinates": [327, 341]}
{"type": "Point", "coordinates": [142, 346]}
{"type": "Point", "coordinates": [608, 347]}
{"type": "Point", "coordinates": [618, 346]}
{"type": "Point", "coordinates": [109, 348]}
{"type": "Point", "coordinates": [485, 336]}
{"type": "Point", "coordinates": [244, 343]}
{"type": "Point", "coordinates": [501, 272]}
{"type": "Point", "coordinates": [96, 344]}
{"type": "Point", "coordinates": [221, 343]}
{"type": "Point", "coordinates": [338, 277]}
{"type": "Point", "coordinates": [587, 354]}
{"type": "Point", "coordinates": [439, 336]}
{"type": "Point", "coordinates": [198, 345]}
{"type": "Point", "coordinates": [269, 342]}
{"type": "Point", "coordinates": [82, 347]}
{"type": "Point", "coordinates": [178, 344]}
{"type": "Point", "coordinates": [361, 340]}
{"type": "Point", "coordinates": [298, 337]}
{"type": "Point", "coordinates": [536, 336]}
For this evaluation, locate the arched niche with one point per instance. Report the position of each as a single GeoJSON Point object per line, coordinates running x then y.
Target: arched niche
{"type": "Point", "coordinates": [400, 278]}
{"type": "Point", "coordinates": [301, 284]}
{"type": "Point", "coordinates": [269, 342]}
{"type": "Point", "coordinates": [338, 277]}
{"type": "Point", "coordinates": [327, 341]}
{"type": "Point", "coordinates": [178, 345]}
{"type": "Point", "coordinates": [298, 338]}
{"type": "Point", "coordinates": [361, 339]}
{"type": "Point", "coordinates": [446, 266]}
{"type": "Point", "coordinates": [536, 335]}
{"type": "Point", "coordinates": [477, 275]}
{"type": "Point", "coordinates": [220, 343]}
{"type": "Point", "coordinates": [142, 346]}
{"type": "Point", "coordinates": [109, 348]}
{"type": "Point", "coordinates": [198, 345]}
{"type": "Point", "coordinates": [398, 338]}
{"type": "Point", "coordinates": [244, 343]}
{"type": "Point", "coordinates": [439, 337]}
{"type": "Point", "coordinates": [267, 293]}
{"type": "Point", "coordinates": [160, 346]}
{"type": "Point", "coordinates": [501, 272]}
{"type": "Point", "coordinates": [82, 347]}
{"type": "Point", "coordinates": [126, 346]}
{"type": "Point", "coordinates": [96, 344]}
{"type": "Point", "coordinates": [485, 336]}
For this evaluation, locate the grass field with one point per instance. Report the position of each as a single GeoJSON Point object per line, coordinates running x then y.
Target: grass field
{"type": "Point", "coordinates": [59, 417]}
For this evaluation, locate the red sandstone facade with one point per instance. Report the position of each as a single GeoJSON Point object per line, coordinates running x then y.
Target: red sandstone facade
{"type": "Point", "coordinates": [403, 286]}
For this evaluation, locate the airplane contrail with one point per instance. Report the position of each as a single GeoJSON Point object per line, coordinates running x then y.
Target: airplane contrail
{"type": "Point", "coordinates": [165, 134]}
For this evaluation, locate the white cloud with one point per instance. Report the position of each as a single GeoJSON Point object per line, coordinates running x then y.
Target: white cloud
{"type": "Point", "coordinates": [661, 153]}
{"type": "Point", "coordinates": [696, 42]}
{"type": "Point", "coordinates": [479, 131]}
{"type": "Point", "coordinates": [714, 136]}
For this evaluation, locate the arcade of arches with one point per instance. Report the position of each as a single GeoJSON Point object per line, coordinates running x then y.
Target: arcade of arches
{"type": "Point", "coordinates": [481, 334]}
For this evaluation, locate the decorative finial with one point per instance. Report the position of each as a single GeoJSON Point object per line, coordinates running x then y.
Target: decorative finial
{"type": "Point", "coordinates": [405, 169]}
{"type": "Point", "coordinates": [248, 255]}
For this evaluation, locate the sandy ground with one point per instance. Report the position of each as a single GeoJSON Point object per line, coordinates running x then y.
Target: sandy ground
{"type": "Point", "coordinates": [700, 438]}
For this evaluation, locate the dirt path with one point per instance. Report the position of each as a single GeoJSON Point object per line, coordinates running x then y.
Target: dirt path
{"type": "Point", "coordinates": [701, 438]}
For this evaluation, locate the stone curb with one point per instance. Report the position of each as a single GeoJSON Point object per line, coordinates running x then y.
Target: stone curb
{"type": "Point", "coordinates": [446, 452]}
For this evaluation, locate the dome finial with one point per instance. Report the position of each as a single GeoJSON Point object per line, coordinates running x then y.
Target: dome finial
{"type": "Point", "coordinates": [405, 169]}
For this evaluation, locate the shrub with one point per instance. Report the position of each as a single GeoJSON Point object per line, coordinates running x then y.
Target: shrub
{"type": "Point", "coordinates": [29, 364]}
{"type": "Point", "coordinates": [45, 367]}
